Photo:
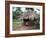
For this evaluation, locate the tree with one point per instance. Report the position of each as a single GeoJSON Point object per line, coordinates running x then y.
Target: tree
{"type": "Point", "coordinates": [17, 13]}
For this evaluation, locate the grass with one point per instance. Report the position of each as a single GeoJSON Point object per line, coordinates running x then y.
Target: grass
{"type": "Point", "coordinates": [17, 23]}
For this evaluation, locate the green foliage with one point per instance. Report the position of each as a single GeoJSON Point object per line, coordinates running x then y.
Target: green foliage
{"type": "Point", "coordinates": [17, 13]}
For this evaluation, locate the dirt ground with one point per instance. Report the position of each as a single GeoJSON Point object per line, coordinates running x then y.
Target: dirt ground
{"type": "Point", "coordinates": [23, 27]}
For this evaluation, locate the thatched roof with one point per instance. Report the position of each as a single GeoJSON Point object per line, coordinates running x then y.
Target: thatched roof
{"type": "Point", "coordinates": [29, 15]}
